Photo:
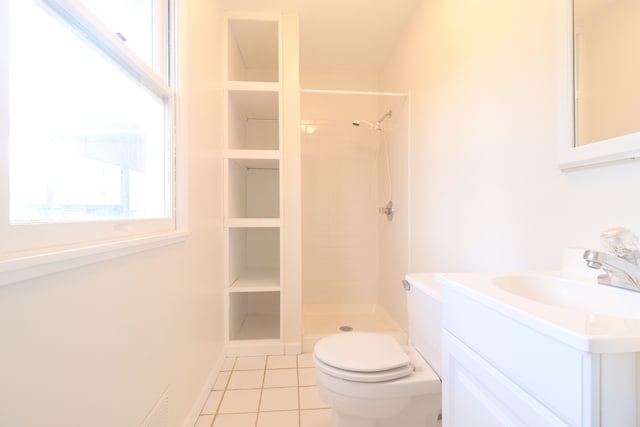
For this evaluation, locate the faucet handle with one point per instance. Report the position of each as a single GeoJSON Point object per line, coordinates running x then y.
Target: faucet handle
{"type": "Point", "coordinates": [621, 242]}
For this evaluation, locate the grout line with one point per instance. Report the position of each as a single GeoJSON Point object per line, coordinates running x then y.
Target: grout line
{"type": "Point", "coordinates": [226, 388]}
{"type": "Point", "coordinates": [264, 377]}
{"type": "Point", "coordinates": [224, 391]}
{"type": "Point", "coordinates": [298, 393]}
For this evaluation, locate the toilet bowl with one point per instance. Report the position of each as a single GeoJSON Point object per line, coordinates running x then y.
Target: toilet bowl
{"type": "Point", "coordinates": [370, 380]}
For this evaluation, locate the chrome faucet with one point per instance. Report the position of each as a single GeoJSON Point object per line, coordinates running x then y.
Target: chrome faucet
{"type": "Point", "coordinates": [622, 266]}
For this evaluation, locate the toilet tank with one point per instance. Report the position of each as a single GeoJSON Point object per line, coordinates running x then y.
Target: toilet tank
{"type": "Point", "coordinates": [424, 306]}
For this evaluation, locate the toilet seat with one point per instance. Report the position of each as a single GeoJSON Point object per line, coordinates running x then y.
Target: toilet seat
{"type": "Point", "coordinates": [362, 357]}
{"type": "Point", "coordinates": [362, 377]}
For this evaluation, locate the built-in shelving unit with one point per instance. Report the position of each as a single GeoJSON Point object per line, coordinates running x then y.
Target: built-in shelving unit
{"type": "Point", "coordinates": [253, 153]}
{"type": "Point", "coordinates": [258, 282]}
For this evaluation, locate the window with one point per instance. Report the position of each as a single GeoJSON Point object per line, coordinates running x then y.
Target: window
{"type": "Point", "coordinates": [86, 130]}
{"type": "Point", "coordinates": [135, 22]}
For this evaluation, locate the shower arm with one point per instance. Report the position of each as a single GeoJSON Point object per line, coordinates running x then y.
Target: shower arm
{"type": "Point", "coordinates": [384, 117]}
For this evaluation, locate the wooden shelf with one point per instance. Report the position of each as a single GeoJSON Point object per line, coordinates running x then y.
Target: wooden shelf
{"type": "Point", "coordinates": [252, 154]}
{"type": "Point", "coordinates": [257, 280]}
{"type": "Point", "coordinates": [256, 163]}
{"type": "Point", "coordinates": [245, 86]}
{"type": "Point", "coordinates": [253, 222]}
{"type": "Point", "coordinates": [350, 92]}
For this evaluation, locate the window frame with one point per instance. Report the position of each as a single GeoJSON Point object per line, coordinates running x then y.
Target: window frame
{"type": "Point", "coordinates": [42, 250]}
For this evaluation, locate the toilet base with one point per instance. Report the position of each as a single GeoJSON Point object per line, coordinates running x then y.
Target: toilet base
{"type": "Point", "coordinates": [418, 411]}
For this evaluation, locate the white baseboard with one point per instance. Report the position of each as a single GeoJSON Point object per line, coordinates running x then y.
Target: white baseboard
{"type": "Point", "coordinates": [262, 348]}
{"type": "Point", "coordinates": [254, 348]}
{"type": "Point", "coordinates": [193, 415]}
{"type": "Point", "coordinates": [293, 347]}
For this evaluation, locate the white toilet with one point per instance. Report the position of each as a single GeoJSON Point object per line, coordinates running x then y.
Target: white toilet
{"type": "Point", "coordinates": [370, 380]}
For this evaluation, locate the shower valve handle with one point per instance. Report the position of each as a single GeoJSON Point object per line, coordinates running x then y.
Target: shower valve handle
{"type": "Point", "coordinates": [387, 210]}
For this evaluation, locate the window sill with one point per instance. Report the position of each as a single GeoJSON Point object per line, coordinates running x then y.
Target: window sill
{"type": "Point", "coordinates": [23, 266]}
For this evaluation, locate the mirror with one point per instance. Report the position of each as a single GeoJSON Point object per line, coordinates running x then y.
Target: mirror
{"type": "Point", "coordinates": [603, 74]}
{"type": "Point", "coordinates": [607, 69]}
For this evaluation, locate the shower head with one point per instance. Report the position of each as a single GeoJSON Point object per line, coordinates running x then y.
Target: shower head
{"type": "Point", "coordinates": [377, 125]}
{"type": "Point", "coordinates": [366, 122]}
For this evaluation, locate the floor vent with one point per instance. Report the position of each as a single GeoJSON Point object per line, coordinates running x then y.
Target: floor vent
{"type": "Point", "coordinates": [159, 415]}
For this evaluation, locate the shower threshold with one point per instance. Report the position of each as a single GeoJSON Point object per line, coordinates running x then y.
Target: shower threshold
{"type": "Point", "coordinates": [320, 320]}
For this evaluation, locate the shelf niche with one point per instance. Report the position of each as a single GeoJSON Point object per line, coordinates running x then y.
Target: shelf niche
{"type": "Point", "coordinates": [253, 120]}
{"type": "Point", "coordinates": [254, 258]}
{"type": "Point", "coordinates": [253, 50]}
{"type": "Point", "coordinates": [254, 188]}
{"type": "Point", "coordinates": [254, 316]}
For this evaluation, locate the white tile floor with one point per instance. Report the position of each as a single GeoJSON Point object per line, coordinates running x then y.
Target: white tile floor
{"type": "Point", "coordinates": [266, 391]}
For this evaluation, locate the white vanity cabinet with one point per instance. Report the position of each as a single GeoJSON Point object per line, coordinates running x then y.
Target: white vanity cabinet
{"type": "Point", "coordinates": [477, 394]}
{"type": "Point", "coordinates": [499, 371]}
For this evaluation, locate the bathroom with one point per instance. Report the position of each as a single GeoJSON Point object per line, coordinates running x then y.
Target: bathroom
{"type": "Point", "coordinates": [479, 190]}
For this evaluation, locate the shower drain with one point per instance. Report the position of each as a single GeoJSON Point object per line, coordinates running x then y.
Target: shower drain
{"type": "Point", "coordinates": [346, 328]}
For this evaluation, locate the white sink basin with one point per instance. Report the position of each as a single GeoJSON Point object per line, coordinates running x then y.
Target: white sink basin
{"type": "Point", "coordinates": [568, 306]}
{"type": "Point", "coordinates": [575, 295]}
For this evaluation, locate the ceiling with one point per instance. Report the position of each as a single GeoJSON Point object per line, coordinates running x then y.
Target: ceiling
{"type": "Point", "coordinates": [341, 34]}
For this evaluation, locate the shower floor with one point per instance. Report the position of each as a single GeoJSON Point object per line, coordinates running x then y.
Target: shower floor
{"type": "Point", "coordinates": [320, 320]}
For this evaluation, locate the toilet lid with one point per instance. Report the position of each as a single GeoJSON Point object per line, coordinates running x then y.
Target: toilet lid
{"type": "Point", "coordinates": [364, 377]}
{"type": "Point", "coordinates": [361, 352]}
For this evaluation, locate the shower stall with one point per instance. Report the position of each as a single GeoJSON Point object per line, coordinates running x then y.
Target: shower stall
{"type": "Point", "coordinates": [347, 194]}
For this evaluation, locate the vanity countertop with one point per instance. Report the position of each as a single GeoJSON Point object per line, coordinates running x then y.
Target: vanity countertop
{"type": "Point", "coordinates": [608, 322]}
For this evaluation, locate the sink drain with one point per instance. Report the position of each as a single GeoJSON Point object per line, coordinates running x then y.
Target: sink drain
{"type": "Point", "coordinates": [346, 328]}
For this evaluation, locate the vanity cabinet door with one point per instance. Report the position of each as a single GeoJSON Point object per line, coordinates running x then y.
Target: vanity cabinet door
{"type": "Point", "coordinates": [476, 394]}
{"type": "Point", "coordinates": [553, 373]}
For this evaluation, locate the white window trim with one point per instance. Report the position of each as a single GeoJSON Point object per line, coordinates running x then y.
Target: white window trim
{"type": "Point", "coordinates": [20, 266]}
{"type": "Point", "coordinates": [34, 264]}
{"type": "Point", "coordinates": [100, 36]}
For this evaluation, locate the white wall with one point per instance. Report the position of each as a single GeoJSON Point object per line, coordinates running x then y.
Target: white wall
{"type": "Point", "coordinates": [485, 192]}
{"type": "Point", "coordinates": [99, 345]}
